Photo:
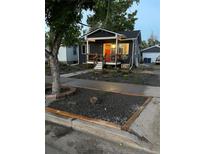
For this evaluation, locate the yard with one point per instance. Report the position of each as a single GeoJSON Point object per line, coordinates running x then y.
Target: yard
{"type": "Point", "coordinates": [143, 75]}
{"type": "Point", "coordinates": [65, 68]}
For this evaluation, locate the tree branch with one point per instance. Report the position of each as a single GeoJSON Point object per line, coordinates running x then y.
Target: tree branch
{"type": "Point", "coordinates": [83, 24]}
{"type": "Point", "coordinates": [48, 53]}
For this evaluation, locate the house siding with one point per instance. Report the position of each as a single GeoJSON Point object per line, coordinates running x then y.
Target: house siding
{"type": "Point", "coordinates": [96, 47]}
{"type": "Point", "coordinates": [82, 57]}
{"type": "Point", "coordinates": [151, 52]}
{"type": "Point", "coordinates": [62, 54]}
{"type": "Point", "coordinates": [152, 55]}
{"type": "Point", "coordinates": [65, 54]}
{"type": "Point", "coordinates": [70, 54]}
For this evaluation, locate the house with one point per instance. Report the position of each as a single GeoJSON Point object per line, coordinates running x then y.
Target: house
{"type": "Point", "coordinates": [111, 48]}
{"type": "Point", "coordinates": [69, 54]}
{"type": "Point", "coordinates": [150, 54]}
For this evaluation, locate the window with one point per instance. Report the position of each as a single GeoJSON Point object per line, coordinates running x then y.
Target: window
{"type": "Point", "coordinates": [74, 50]}
{"type": "Point", "coordinates": [124, 48]}
{"type": "Point", "coordinates": [124, 51]}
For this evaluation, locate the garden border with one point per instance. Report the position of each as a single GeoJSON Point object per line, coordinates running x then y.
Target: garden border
{"type": "Point", "coordinates": [125, 126]}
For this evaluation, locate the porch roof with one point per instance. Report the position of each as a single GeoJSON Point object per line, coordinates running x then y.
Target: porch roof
{"type": "Point", "coordinates": [130, 34]}
{"type": "Point", "coordinates": [136, 34]}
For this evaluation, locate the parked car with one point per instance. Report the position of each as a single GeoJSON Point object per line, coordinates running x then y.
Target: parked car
{"type": "Point", "coordinates": [157, 61]}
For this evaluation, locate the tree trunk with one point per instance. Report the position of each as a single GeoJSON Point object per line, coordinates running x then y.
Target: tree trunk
{"type": "Point", "coordinates": [54, 64]}
{"type": "Point", "coordinates": [55, 74]}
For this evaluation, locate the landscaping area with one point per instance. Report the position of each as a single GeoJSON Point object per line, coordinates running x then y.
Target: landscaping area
{"type": "Point", "coordinates": [142, 75]}
{"type": "Point", "coordinates": [66, 68]}
{"type": "Point", "coordinates": [108, 106]}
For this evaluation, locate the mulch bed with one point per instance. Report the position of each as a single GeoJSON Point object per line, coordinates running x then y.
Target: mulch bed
{"type": "Point", "coordinates": [111, 107]}
{"type": "Point", "coordinates": [122, 76]}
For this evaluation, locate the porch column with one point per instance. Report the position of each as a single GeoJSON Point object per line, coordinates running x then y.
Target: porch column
{"type": "Point", "coordinates": [116, 50]}
{"type": "Point", "coordinates": [87, 50]}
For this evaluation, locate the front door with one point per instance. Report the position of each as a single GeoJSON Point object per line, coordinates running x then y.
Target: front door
{"type": "Point", "coordinates": [107, 52]}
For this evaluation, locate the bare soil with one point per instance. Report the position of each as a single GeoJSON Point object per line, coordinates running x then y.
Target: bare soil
{"type": "Point", "coordinates": [66, 68]}
{"type": "Point", "coordinates": [123, 76]}
{"type": "Point", "coordinates": [109, 106]}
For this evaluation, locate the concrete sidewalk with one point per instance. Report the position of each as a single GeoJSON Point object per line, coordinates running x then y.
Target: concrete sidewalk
{"type": "Point", "coordinates": [75, 73]}
{"type": "Point", "coordinates": [124, 88]}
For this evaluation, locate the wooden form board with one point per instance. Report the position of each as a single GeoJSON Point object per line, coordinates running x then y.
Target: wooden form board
{"type": "Point", "coordinates": [135, 115]}
{"type": "Point", "coordinates": [84, 118]}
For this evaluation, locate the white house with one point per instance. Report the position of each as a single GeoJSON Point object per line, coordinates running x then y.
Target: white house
{"type": "Point", "coordinates": [69, 54]}
{"type": "Point", "coordinates": [150, 54]}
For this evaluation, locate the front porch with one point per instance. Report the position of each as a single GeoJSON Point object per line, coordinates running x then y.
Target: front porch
{"type": "Point", "coordinates": [94, 58]}
{"type": "Point", "coordinates": [108, 49]}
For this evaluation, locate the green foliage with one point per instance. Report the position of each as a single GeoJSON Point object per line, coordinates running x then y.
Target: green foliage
{"type": "Point", "coordinates": [143, 45]}
{"type": "Point", "coordinates": [63, 17]}
{"type": "Point", "coordinates": [112, 15]}
{"type": "Point", "coordinates": [150, 42]}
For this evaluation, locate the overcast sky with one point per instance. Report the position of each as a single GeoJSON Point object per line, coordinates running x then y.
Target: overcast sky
{"type": "Point", "coordinates": [148, 18]}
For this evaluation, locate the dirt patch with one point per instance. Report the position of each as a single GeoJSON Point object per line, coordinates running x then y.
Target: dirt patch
{"type": "Point", "coordinates": [123, 76]}
{"type": "Point", "coordinates": [48, 90]}
{"type": "Point", "coordinates": [109, 106]}
{"type": "Point", "coordinates": [65, 68]}
{"type": "Point", "coordinates": [149, 67]}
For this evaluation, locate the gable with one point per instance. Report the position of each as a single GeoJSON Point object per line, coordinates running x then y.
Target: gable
{"type": "Point", "coordinates": [101, 33]}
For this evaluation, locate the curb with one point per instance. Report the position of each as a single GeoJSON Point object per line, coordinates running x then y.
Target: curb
{"type": "Point", "coordinates": [110, 134]}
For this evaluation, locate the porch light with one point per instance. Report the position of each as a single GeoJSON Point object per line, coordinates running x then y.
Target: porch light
{"type": "Point", "coordinates": [113, 46]}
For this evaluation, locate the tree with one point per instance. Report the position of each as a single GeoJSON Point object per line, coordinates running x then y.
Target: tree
{"type": "Point", "coordinates": [153, 40]}
{"type": "Point", "coordinates": [112, 15]}
{"type": "Point", "coordinates": [62, 18]}
{"type": "Point", "coordinates": [143, 45]}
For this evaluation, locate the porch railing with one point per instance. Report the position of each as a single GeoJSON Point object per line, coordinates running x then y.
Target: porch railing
{"type": "Point", "coordinates": [94, 57]}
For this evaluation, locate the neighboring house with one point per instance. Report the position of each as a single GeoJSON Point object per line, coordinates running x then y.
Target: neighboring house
{"type": "Point", "coordinates": [69, 54]}
{"type": "Point", "coordinates": [150, 54]}
{"type": "Point", "coordinates": [111, 48]}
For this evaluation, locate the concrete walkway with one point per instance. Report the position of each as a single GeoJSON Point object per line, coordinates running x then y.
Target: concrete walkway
{"type": "Point", "coordinates": [75, 73]}
{"type": "Point", "coordinates": [124, 88]}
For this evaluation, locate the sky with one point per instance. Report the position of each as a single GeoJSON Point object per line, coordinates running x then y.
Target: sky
{"type": "Point", "coordinates": [148, 14]}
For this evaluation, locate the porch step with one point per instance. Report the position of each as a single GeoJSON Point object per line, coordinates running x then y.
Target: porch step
{"type": "Point", "coordinates": [99, 66]}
